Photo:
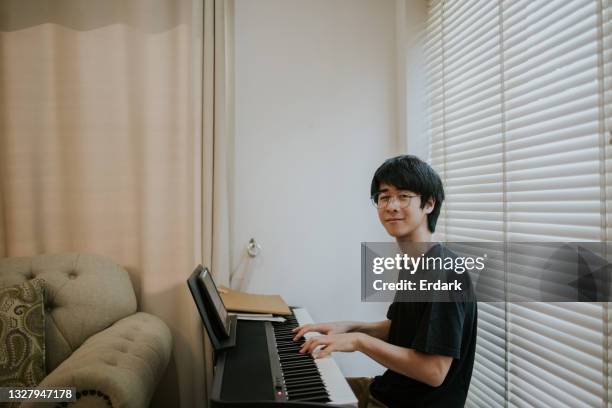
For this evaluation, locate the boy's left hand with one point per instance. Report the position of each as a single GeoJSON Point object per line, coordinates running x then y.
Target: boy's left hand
{"type": "Point", "coordinates": [346, 342]}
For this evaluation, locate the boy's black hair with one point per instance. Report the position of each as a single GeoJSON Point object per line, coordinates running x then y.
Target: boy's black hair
{"type": "Point", "coordinates": [407, 172]}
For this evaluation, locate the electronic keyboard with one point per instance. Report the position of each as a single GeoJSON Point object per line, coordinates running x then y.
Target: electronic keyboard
{"type": "Point", "coordinates": [265, 368]}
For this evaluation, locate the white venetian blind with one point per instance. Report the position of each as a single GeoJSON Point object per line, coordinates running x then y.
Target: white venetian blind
{"type": "Point", "coordinates": [607, 88]}
{"type": "Point", "coordinates": [519, 118]}
{"type": "Point", "coordinates": [462, 50]}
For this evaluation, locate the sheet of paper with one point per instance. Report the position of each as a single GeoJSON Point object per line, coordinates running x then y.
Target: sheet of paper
{"type": "Point", "coordinates": [261, 319]}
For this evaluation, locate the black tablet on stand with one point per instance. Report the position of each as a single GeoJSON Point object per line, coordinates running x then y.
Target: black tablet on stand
{"type": "Point", "coordinates": [221, 327]}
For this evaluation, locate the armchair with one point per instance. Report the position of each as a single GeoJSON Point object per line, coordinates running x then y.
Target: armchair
{"type": "Point", "coordinates": [95, 340]}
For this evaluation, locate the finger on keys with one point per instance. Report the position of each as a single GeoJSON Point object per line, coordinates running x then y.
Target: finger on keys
{"type": "Point", "coordinates": [308, 345]}
{"type": "Point", "coordinates": [323, 352]}
{"type": "Point", "coordinates": [316, 343]}
{"type": "Point", "coordinates": [300, 332]}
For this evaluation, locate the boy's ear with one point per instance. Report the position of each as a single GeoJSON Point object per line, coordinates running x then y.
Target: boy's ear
{"type": "Point", "coordinates": [429, 205]}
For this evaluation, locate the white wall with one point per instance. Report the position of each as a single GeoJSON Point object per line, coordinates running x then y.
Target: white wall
{"type": "Point", "coordinates": [315, 94]}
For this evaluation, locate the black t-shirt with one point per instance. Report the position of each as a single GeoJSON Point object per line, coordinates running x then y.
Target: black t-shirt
{"type": "Point", "coordinates": [443, 328]}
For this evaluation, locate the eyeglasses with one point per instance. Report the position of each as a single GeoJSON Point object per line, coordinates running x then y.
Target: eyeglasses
{"type": "Point", "coordinates": [382, 200]}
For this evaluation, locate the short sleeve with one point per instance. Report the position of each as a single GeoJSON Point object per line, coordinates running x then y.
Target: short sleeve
{"type": "Point", "coordinates": [391, 311]}
{"type": "Point", "coordinates": [441, 329]}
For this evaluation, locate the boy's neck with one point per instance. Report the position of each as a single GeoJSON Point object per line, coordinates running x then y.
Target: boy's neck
{"type": "Point", "coordinates": [417, 242]}
{"type": "Point", "coordinates": [419, 234]}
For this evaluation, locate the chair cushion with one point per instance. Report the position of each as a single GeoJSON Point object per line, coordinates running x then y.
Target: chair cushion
{"type": "Point", "coordinates": [22, 334]}
{"type": "Point", "coordinates": [84, 294]}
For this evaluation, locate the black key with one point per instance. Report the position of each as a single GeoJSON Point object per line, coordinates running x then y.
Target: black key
{"type": "Point", "coordinates": [303, 381]}
{"type": "Point", "coordinates": [304, 372]}
{"type": "Point", "coordinates": [308, 394]}
{"type": "Point", "coordinates": [314, 390]}
{"type": "Point", "coordinates": [290, 365]}
{"type": "Point", "coordinates": [314, 399]}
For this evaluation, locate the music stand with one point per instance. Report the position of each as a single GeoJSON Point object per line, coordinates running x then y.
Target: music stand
{"type": "Point", "coordinates": [221, 327]}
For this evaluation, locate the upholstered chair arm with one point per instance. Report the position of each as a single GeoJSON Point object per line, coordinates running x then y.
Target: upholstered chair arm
{"type": "Point", "coordinates": [117, 367]}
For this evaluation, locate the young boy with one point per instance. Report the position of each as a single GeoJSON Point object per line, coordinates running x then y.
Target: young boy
{"type": "Point", "coordinates": [428, 348]}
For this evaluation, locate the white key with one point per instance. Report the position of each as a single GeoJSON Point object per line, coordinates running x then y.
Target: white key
{"type": "Point", "coordinates": [335, 383]}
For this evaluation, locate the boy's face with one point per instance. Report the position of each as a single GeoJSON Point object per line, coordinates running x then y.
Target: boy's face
{"type": "Point", "coordinates": [400, 212]}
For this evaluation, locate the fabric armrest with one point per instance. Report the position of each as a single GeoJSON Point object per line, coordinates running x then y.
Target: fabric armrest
{"type": "Point", "coordinates": [119, 366]}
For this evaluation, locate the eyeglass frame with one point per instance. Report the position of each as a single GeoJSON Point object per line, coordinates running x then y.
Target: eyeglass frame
{"type": "Point", "coordinates": [392, 196]}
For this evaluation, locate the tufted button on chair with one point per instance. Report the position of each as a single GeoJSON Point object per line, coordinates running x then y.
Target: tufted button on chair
{"type": "Point", "coordinates": [90, 313]}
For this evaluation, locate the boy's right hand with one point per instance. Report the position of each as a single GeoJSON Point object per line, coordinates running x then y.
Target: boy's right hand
{"type": "Point", "coordinates": [323, 328]}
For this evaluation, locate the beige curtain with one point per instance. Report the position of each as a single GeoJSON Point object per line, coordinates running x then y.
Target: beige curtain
{"type": "Point", "coordinates": [218, 148]}
{"type": "Point", "coordinates": [114, 139]}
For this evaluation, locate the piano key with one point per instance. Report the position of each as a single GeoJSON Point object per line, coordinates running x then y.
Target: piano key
{"type": "Point", "coordinates": [296, 370]}
{"type": "Point", "coordinates": [314, 399]}
{"type": "Point", "coordinates": [296, 387]}
{"type": "Point", "coordinates": [289, 347]}
{"type": "Point", "coordinates": [289, 342]}
{"type": "Point", "coordinates": [294, 357]}
{"type": "Point", "coordinates": [307, 388]}
{"type": "Point", "coordinates": [304, 369]}
{"type": "Point", "coordinates": [302, 373]}
{"type": "Point", "coordinates": [318, 392]}
{"type": "Point", "coordinates": [301, 383]}
{"type": "Point", "coordinates": [337, 387]}
{"type": "Point", "coordinates": [305, 391]}
{"type": "Point", "coordinates": [299, 364]}
{"type": "Point", "coordinates": [291, 382]}
{"type": "Point", "coordinates": [297, 367]}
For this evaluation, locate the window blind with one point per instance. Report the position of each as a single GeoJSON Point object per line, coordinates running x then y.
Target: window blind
{"type": "Point", "coordinates": [520, 101]}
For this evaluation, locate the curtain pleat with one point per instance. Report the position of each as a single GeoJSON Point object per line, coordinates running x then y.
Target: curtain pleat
{"type": "Point", "coordinates": [114, 139]}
